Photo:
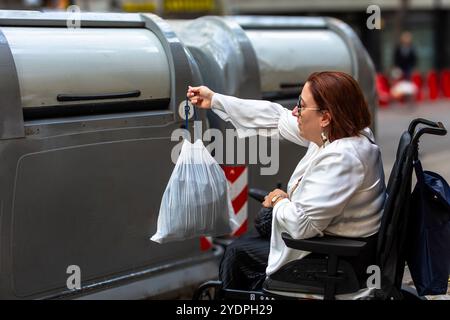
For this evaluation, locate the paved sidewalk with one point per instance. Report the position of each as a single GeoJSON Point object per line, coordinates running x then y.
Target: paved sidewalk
{"type": "Point", "coordinates": [434, 151]}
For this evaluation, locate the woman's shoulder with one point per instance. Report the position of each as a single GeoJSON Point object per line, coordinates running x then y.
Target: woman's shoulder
{"type": "Point", "coordinates": [361, 147]}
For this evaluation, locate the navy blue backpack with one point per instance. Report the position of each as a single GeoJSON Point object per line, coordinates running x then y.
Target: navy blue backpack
{"type": "Point", "coordinates": [429, 233]}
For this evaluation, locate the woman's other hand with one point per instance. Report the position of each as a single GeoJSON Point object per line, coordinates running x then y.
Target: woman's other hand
{"type": "Point", "coordinates": [268, 199]}
{"type": "Point", "coordinates": [200, 96]}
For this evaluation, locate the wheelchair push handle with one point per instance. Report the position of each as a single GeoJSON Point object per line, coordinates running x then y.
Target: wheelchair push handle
{"type": "Point", "coordinates": [437, 128]}
{"type": "Point", "coordinates": [434, 128]}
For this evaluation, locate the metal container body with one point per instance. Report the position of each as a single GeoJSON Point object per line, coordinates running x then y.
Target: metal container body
{"type": "Point", "coordinates": [87, 61]}
{"type": "Point", "coordinates": [287, 57]}
{"type": "Point", "coordinates": [83, 188]}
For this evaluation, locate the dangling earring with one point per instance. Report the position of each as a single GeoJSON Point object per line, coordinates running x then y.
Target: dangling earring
{"type": "Point", "coordinates": [324, 137]}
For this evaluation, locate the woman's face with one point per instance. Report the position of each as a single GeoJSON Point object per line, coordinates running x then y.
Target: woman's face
{"type": "Point", "coordinates": [309, 118]}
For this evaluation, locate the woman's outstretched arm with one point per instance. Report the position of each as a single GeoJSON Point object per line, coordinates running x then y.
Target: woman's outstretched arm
{"type": "Point", "coordinates": [249, 117]}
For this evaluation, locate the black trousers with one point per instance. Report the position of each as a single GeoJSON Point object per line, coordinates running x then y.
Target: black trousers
{"type": "Point", "coordinates": [243, 265]}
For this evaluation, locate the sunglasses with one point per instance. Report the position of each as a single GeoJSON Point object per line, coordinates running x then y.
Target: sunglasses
{"type": "Point", "coordinates": [301, 109]}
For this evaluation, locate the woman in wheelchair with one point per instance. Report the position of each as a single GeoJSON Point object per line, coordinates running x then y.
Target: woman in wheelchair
{"type": "Point", "coordinates": [337, 188]}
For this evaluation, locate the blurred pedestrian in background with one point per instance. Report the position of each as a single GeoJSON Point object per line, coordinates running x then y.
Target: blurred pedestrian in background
{"type": "Point", "coordinates": [405, 57]}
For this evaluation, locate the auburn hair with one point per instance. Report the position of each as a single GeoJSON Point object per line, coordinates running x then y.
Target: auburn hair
{"type": "Point", "coordinates": [340, 95]}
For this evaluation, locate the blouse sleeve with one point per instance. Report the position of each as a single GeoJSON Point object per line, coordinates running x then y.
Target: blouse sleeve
{"type": "Point", "coordinates": [251, 117]}
{"type": "Point", "coordinates": [325, 191]}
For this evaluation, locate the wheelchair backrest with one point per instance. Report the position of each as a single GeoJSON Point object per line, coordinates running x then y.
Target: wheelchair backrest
{"type": "Point", "coordinates": [392, 234]}
{"type": "Point", "coordinates": [391, 249]}
{"type": "Point", "coordinates": [405, 140]}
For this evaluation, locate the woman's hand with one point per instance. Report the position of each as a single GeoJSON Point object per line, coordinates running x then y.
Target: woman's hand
{"type": "Point", "coordinates": [200, 96]}
{"type": "Point", "coordinates": [268, 199]}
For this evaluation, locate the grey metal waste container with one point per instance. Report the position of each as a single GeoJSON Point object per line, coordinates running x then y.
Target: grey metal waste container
{"type": "Point", "coordinates": [85, 155]}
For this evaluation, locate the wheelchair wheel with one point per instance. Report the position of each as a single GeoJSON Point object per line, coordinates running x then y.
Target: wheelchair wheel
{"type": "Point", "coordinates": [208, 291]}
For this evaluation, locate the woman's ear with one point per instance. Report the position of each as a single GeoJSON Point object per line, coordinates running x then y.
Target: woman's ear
{"type": "Point", "coordinates": [326, 119]}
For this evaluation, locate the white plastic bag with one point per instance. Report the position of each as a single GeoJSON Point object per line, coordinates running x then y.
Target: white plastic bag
{"type": "Point", "coordinates": [196, 201]}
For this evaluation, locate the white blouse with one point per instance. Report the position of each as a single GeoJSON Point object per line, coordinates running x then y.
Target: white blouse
{"type": "Point", "coordinates": [342, 188]}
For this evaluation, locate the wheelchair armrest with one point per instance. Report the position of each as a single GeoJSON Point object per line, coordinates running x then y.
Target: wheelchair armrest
{"type": "Point", "coordinates": [326, 245]}
{"type": "Point", "coordinates": [257, 194]}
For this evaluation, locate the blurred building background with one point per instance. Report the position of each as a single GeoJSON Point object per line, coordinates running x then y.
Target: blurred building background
{"type": "Point", "coordinates": [428, 20]}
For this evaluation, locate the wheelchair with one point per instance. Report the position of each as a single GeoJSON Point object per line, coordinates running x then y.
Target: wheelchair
{"type": "Point", "coordinates": [331, 277]}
